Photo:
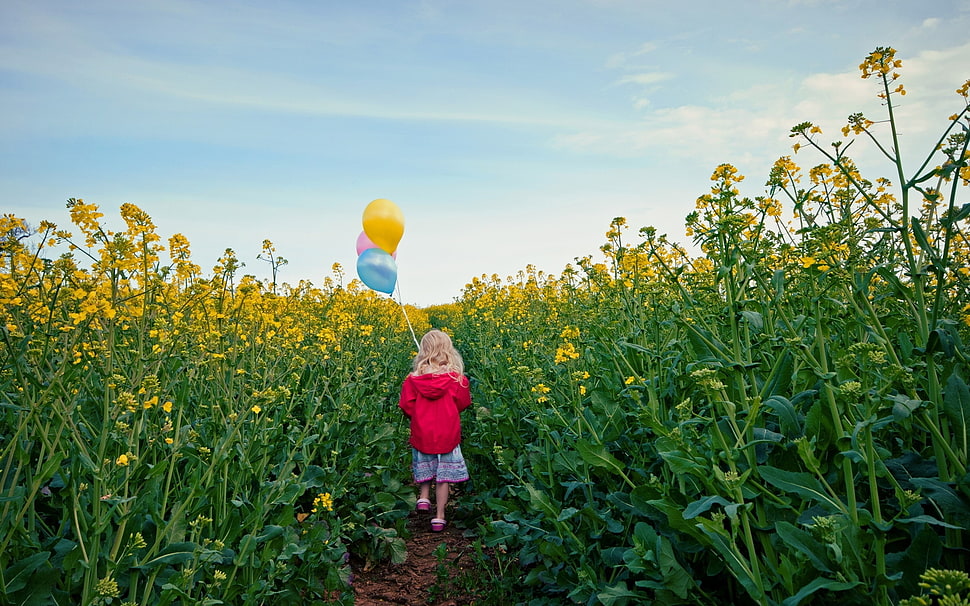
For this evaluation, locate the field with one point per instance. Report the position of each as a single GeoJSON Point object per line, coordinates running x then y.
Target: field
{"type": "Point", "coordinates": [780, 419]}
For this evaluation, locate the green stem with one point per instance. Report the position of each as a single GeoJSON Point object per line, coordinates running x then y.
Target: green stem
{"type": "Point", "coordinates": [874, 501]}
{"type": "Point", "coordinates": [828, 391]}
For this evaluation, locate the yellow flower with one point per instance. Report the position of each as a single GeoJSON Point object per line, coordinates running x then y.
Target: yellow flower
{"type": "Point", "coordinates": [569, 332]}
{"type": "Point", "coordinates": [169, 441]}
{"type": "Point", "coordinates": [629, 380]}
{"type": "Point", "coordinates": [565, 352]}
{"type": "Point", "coordinates": [167, 407]}
{"type": "Point", "coordinates": [256, 409]}
{"type": "Point", "coordinates": [108, 588]}
{"type": "Point", "coordinates": [122, 460]}
{"type": "Point", "coordinates": [323, 501]}
{"type": "Point", "coordinates": [808, 261]}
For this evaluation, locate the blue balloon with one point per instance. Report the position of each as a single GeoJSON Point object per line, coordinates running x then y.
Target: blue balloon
{"type": "Point", "coordinates": [377, 269]}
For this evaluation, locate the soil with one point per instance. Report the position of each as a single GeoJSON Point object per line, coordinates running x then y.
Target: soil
{"type": "Point", "coordinates": [423, 578]}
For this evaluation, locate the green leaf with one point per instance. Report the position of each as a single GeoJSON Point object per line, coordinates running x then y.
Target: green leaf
{"type": "Point", "coordinates": [597, 456]}
{"type": "Point", "coordinates": [956, 403]}
{"type": "Point", "coordinates": [920, 235]}
{"type": "Point", "coordinates": [803, 484]}
{"type": "Point", "coordinates": [644, 535]}
{"type": "Point", "coordinates": [946, 499]}
{"type": "Point", "coordinates": [706, 346]}
{"type": "Point", "coordinates": [762, 436]}
{"type": "Point", "coordinates": [291, 492]}
{"type": "Point", "coordinates": [779, 381]}
{"type": "Point", "coordinates": [925, 519]}
{"type": "Point", "coordinates": [676, 579]}
{"type": "Point", "coordinates": [755, 319]}
{"type": "Point", "coordinates": [399, 550]}
{"type": "Point", "coordinates": [923, 552]}
{"type": "Point", "coordinates": [16, 495]}
{"type": "Point", "coordinates": [679, 461]}
{"type": "Point", "coordinates": [778, 282]}
{"type": "Point", "coordinates": [703, 505]}
{"type": "Point", "coordinates": [789, 420]}
{"type": "Point", "coordinates": [815, 585]}
{"type": "Point", "coordinates": [675, 517]}
{"type": "Point", "coordinates": [640, 499]}
{"type": "Point", "coordinates": [617, 595]}
{"type": "Point", "coordinates": [51, 465]}
{"type": "Point", "coordinates": [940, 340]}
{"type": "Point", "coordinates": [269, 532]}
{"type": "Point", "coordinates": [889, 275]}
{"type": "Point", "coordinates": [314, 476]}
{"type": "Point", "coordinates": [957, 216]}
{"type": "Point", "coordinates": [385, 432]}
{"type": "Point", "coordinates": [173, 553]}
{"type": "Point", "coordinates": [738, 565]}
{"type": "Point", "coordinates": [804, 543]}
{"type": "Point", "coordinates": [566, 514]}
{"type": "Point", "coordinates": [17, 576]}
{"type": "Point", "coordinates": [540, 501]}
{"type": "Point", "coordinates": [903, 406]}
{"type": "Point", "coordinates": [818, 426]}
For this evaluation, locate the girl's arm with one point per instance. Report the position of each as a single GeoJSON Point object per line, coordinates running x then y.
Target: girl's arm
{"type": "Point", "coordinates": [408, 397]}
{"type": "Point", "coordinates": [463, 397]}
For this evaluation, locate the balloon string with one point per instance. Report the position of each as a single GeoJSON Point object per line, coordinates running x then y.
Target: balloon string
{"type": "Point", "coordinates": [406, 318]}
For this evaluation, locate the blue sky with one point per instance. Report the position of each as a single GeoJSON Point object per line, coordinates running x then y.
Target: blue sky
{"type": "Point", "coordinates": [508, 132]}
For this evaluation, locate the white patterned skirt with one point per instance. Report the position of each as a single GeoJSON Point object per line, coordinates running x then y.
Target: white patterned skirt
{"type": "Point", "coordinates": [445, 468]}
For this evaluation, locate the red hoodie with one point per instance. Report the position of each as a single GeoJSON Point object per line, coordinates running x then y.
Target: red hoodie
{"type": "Point", "coordinates": [432, 402]}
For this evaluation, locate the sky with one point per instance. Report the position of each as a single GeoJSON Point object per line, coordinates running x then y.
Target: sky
{"type": "Point", "coordinates": [509, 132]}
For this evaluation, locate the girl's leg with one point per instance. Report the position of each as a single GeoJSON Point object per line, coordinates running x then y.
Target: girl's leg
{"type": "Point", "coordinates": [424, 490]}
{"type": "Point", "coordinates": [441, 498]}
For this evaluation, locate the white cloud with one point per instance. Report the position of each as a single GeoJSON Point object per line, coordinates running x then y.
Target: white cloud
{"type": "Point", "coordinates": [756, 121]}
{"type": "Point", "coordinates": [645, 79]}
{"type": "Point", "coordinates": [618, 60]}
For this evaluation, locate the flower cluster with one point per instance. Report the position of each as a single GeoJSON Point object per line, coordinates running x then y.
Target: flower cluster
{"type": "Point", "coordinates": [323, 502]}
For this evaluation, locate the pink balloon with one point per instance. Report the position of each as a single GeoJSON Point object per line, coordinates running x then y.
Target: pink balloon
{"type": "Point", "coordinates": [363, 243]}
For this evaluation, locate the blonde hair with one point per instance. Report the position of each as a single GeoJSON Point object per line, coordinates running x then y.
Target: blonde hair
{"type": "Point", "coordinates": [436, 354]}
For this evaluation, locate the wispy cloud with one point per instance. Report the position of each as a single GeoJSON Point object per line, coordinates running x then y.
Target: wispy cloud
{"type": "Point", "coordinates": [645, 79]}
{"type": "Point", "coordinates": [742, 122]}
{"type": "Point", "coordinates": [621, 59]}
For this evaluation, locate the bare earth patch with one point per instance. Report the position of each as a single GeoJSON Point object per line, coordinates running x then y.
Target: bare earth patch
{"type": "Point", "coordinates": [429, 576]}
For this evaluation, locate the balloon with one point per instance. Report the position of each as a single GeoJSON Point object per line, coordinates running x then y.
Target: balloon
{"type": "Point", "coordinates": [377, 270]}
{"type": "Point", "coordinates": [363, 243]}
{"type": "Point", "coordinates": [383, 223]}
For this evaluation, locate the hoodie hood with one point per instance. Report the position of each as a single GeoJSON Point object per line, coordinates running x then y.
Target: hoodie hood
{"type": "Point", "coordinates": [433, 386]}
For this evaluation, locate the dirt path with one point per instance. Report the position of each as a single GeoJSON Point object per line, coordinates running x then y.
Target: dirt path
{"type": "Point", "coordinates": [421, 579]}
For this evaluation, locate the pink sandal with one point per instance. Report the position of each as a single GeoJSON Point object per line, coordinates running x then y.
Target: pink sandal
{"type": "Point", "coordinates": [437, 525]}
{"type": "Point", "coordinates": [423, 505]}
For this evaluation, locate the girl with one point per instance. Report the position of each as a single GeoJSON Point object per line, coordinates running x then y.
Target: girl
{"type": "Point", "coordinates": [432, 396]}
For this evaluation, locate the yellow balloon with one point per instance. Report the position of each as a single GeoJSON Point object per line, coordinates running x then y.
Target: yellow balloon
{"type": "Point", "coordinates": [384, 224]}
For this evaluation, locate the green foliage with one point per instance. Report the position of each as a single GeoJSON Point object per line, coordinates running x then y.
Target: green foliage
{"type": "Point", "coordinates": [781, 420]}
{"type": "Point", "coordinates": [193, 441]}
